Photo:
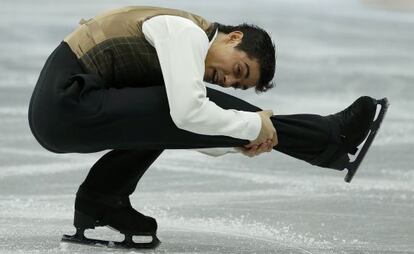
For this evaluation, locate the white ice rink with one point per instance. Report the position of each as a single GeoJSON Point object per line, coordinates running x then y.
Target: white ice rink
{"type": "Point", "coordinates": [329, 53]}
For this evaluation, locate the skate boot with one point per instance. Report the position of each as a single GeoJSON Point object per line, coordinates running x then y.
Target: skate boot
{"type": "Point", "coordinates": [355, 124]}
{"type": "Point", "coordinates": [94, 210]}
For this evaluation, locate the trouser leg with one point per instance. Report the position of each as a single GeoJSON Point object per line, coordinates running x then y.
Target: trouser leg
{"type": "Point", "coordinates": [118, 171]}
{"type": "Point", "coordinates": [138, 118]}
{"type": "Point", "coordinates": [309, 137]}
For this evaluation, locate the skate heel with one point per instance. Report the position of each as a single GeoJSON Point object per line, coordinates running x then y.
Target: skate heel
{"type": "Point", "coordinates": [83, 221]}
{"type": "Point", "coordinates": [340, 163]}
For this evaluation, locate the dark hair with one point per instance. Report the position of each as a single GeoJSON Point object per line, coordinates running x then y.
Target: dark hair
{"type": "Point", "coordinates": [257, 44]}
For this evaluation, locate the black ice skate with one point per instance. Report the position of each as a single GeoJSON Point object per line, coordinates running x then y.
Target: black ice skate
{"type": "Point", "coordinates": [92, 210]}
{"type": "Point", "coordinates": [357, 123]}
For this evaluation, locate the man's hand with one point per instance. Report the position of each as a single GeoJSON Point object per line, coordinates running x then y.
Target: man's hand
{"type": "Point", "coordinates": [267, 138]}
{"type": "Point", "coordinates": [256, 150]}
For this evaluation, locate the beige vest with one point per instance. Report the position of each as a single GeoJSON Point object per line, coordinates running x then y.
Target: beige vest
{"type": "Point", "coordinates": [113, 45]}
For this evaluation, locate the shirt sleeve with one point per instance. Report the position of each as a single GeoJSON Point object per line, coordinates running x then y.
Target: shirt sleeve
{"type": "Point", "coordinates": [181, 48]}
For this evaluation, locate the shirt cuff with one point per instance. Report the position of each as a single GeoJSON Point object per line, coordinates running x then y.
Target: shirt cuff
{"type": "Point", "coordinates": [253, 124]}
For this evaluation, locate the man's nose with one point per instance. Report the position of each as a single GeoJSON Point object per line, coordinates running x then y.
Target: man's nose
{"type": "Point", "coordinates": [229, 80]}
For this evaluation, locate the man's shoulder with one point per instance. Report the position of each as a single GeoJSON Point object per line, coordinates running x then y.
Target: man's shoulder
{"type": "Point", "coordinates": [171, 25]}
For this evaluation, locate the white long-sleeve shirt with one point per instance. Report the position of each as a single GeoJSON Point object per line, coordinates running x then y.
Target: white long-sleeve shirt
{"type": "Point", "coordinates": [181, 48]}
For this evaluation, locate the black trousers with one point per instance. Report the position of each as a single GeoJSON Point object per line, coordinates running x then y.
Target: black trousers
{"type": "Point", "coordinates": [72, 111]}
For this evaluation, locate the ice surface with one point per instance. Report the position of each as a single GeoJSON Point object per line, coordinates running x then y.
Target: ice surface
{"type": "Point", "coordinates": [329, 53]}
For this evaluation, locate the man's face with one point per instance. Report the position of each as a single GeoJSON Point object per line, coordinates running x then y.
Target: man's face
{"type": "Point", "coordinates": [230, 67]}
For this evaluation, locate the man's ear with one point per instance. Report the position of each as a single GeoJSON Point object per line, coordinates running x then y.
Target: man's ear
{"type": "Point", "coordinates": [235, 36]}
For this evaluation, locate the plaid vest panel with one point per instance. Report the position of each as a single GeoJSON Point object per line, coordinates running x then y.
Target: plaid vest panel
{"type": "Point", "coordinates": [113, 46]}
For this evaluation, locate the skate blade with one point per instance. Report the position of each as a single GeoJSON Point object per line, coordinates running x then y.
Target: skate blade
{"type": "Point", "coordinates": [126, 244]}
{"type": "Point", "coordinates": [353, 166]}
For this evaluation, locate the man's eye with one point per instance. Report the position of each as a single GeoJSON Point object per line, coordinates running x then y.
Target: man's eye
{"type": "Point", "coordinates": [236, 86]}
{"type": "Point", "coordinates": [238, 70]}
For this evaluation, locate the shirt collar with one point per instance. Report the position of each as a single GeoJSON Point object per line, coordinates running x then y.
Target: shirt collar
{"type": "Point", "coordinates": [214, 37]}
